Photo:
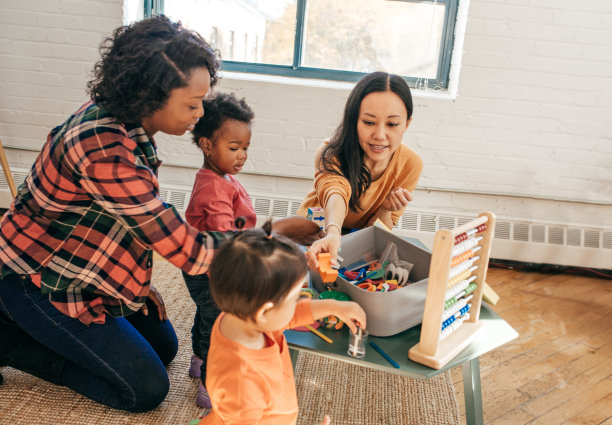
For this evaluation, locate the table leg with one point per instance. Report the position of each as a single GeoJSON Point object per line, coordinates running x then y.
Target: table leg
{"type": "Point", "coordinates": [472, 393]}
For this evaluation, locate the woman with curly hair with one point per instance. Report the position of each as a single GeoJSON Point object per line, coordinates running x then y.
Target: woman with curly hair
{"type": "Point", "coordinates": [76, 304]}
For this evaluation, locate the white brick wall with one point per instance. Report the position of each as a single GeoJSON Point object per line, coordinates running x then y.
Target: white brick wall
{"type": "Point", "coordinates": [47, 52]}
{"type": "Point", "coordinates": [527, 134]}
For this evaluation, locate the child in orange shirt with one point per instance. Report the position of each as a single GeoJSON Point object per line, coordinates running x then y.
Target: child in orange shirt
{"type": "Point", "coordinates": [255, 279]}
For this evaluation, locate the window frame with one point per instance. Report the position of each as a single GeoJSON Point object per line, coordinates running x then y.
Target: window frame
{"type": "Point", "coordinates": [155, 7]}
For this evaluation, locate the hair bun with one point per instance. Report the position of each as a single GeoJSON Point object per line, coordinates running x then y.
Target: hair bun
{"type": "Point", "coordinates": [240, 222]}
{"type": "Point", "coordinates": [267, 228]}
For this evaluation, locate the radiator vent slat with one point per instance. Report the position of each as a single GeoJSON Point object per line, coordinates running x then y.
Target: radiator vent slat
{"type": "Point", "coordinates": [538, 233]}
{"type": "Point", "coordinates": [294, 207]}
{"type": "Point", "coordinates": [262, 206]}
{"type": "Point", "coordinates": [409, 221]}
{"type": "Point", "coordinates": [502, 230]}
{"type": "Point", "coordinates": [521, 232]}
{"type": "Point", "coordinates": [428, 223]}
{"type": "Point", "coordinates": [462, 220]}
{"type": "Point", "coordinates": [555, 235]}
{"type": "Point", "coordinates": [591, 238]}
{"type": "Point", "coordinates": [177, 199]}
{"type": "Point", "coordinates": [446, 222]}
{"type": "Point", "coordinates": [574, 237]}
{"type": "Point", "coordinates": [280, 208]}
{"type": "Point", "coordinates": [18, 178]}
{"type": "Point", "coordinates": [163, 193]}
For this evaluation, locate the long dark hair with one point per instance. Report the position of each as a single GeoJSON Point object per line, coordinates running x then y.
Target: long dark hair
{"type": "Point", "coordinates": [253, 268]}
{"type": "Point", "coordinates": [143, 62]}
{"type": "Point", "coordinates": [343, 155]}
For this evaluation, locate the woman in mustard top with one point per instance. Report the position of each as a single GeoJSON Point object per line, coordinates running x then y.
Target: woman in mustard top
{"type": "Point", "coordinates": [364, 172]}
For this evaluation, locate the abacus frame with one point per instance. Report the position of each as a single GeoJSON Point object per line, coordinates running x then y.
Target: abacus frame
{"type": "Point", "coordinates": [431, 351]}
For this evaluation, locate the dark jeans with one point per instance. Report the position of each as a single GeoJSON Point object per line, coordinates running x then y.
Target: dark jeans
{"type": "Point", "coordinates": [120, 363]}
{"type": "Point", "coordinates": [205, 316]}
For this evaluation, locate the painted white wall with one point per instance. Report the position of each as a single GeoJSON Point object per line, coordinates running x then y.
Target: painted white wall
{"type": "Point", "coordinates": [524, 131]}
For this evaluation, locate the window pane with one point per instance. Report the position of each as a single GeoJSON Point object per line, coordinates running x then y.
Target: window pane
{"type": "Point", "coordinates": [246, 31]}
{"type": "Point", "coordinates": [369, 35]}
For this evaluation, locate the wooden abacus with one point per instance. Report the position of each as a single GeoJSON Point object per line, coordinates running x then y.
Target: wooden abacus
{"type": "Point", "coordinates": [457, 273]}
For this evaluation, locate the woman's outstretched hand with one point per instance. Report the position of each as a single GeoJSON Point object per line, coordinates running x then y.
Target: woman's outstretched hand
{"type": "Point", "coordinates": [299, 229]}
{"type": "Point", "coordinates": [397, 199]}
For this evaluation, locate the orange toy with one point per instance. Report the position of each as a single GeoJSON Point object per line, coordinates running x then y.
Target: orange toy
{"type": "Point", "coordinates": [325, 270]}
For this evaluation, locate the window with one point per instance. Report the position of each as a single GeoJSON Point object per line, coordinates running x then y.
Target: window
{"type": "Point", "coordinates": [328, 39]}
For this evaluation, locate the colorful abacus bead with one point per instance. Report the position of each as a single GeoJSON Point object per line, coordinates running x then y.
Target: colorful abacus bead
{"type": "Point", "coordinates": [449, 302]}
{"type": "Point", "coordinates": [456, 279]}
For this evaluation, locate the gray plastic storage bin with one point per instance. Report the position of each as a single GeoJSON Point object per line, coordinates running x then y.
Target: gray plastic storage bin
{"type": "Point", "coordinates": [388, 313]}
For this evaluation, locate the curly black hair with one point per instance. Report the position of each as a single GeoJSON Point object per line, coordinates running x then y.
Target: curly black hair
{"type": "Point", "coordinates": [255, 267]}
{"type": "Point", "coordinates": [217, 109]}
{"type": "Point", "coordinates": [143, 62]}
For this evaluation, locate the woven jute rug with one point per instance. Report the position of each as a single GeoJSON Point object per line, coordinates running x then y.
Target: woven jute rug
{"type": "Point", "coordinates": [351, 395]}
{"type": "Point", "coordinates": [355, 395]}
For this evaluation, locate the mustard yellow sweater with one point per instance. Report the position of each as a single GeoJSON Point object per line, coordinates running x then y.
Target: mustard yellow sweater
{"type": "Point", "coordinates": [404, 171]}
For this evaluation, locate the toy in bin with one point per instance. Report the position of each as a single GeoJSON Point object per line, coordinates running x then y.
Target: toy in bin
{"type": "Point", "coordinates": [382, 275]}
{"type": "Point", "coordinates": [332, 322]}
{"type": "Point", "coordinates": [398, 307]}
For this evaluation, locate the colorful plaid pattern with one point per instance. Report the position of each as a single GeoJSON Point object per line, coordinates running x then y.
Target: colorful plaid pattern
{"type": "Point", "coordinates": [89, 214]}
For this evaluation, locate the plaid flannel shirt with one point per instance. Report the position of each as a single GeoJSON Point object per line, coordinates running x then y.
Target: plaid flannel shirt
{"type": "Point", "coordinates": [89, 213]}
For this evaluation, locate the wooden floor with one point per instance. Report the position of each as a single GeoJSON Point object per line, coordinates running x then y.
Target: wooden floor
{"type": "Point", "coordinates": [559, 369]}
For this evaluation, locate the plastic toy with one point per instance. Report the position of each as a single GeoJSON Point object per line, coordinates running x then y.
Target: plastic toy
{"type": "Point", "coordinates": [328, 274]}
{"type": "Point", "coordinates": [317, 214]}
{"type": "Point", "coordinates": [332, 322]}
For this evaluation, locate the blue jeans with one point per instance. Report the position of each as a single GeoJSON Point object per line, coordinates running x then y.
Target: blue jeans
{"type": "Point", "coordinates": [120, 363]}
{"type": "Point", "coordinates": [205, 316]}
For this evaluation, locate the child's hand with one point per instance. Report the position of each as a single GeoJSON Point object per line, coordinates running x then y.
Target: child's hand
{"type": "Point", "coordinates": [397, 199]}
{"type": "Point", "coordinates": [352, 314]}
{"type": "Point", "coordinates": [326, 420]}
{"type": "Point", "coordinates": [299, 229]}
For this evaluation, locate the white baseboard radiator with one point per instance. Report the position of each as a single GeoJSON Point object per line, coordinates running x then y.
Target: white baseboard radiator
{"type": "Point", "coordinates": [514, 239]}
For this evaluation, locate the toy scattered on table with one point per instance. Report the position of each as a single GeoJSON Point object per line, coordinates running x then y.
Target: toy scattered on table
{"type": "Point", "coordinates": [333, 322]}
{"type": "Point", "coordinates": [454, 293]}
{"type": "Point", "coordinates": [316, 214]}
{"type": "Point", "coordinates": [319, 334]}
{"type": "Point", "coordinates": [385, 355]}
{"type": "Point", "coordinates": [357, 343]}
{"type": "Point", "coordinates": [308, 293]}
{"type": "Point", "coordinates": [327, 272]}
{"type": "Point", "coordinates": [379, 275]}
